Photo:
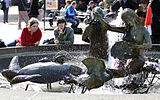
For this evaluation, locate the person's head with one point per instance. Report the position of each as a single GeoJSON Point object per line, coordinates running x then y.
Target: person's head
{"type": "Point", "coordinates": [74, 4]}
{"type": "Point", "coordinates": [101, 4]}
{"type": "Point", "coordinates": [97, 10]}
{"type": "Point", "coordinates": [61, 23]}
{"type": "Point", "coordinates": [33, 24]}
{"type": "Point", "coordinates": [91, 4]}
{"type": "Point", "coordinates": [80, 2]}
{"type": "Point", "coordinates": [141, 9]}
{"type": "Point", "coordinates": [130, 17]}
{"type": "Point", "coordinates": [68, 2]}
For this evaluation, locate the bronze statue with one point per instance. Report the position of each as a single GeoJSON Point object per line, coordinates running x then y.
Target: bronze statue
{"type": "Point", "coordinates": [95, 33]}
{"type": "Point", "coordinates": [136, 39]}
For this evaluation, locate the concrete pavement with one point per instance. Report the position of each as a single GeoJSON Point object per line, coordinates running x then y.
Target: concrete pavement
{"type": "Point", "coordinates": [9, 31]}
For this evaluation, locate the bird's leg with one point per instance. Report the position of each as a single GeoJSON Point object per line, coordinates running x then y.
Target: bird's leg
{"type": "Point", "coordinates": [49, 86]}
{"type": "Point", "coordinates": [84, 89]}
{"type": "Point", "coordinates": [71, 89]}
{"type": "Point", "coordinates": [26, 87]}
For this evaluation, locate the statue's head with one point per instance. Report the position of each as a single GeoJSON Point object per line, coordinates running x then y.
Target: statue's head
{"type": "Point", "coordinates": [97, 10]}
{"type": "Point", "coordinates": [75, 70]}
{"type": "Point", "coordinates": [130, 17]}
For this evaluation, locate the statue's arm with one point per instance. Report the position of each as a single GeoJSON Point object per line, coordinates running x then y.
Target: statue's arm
{"type": "Point", "coordinates": [148, 42]}
{"type": "Point", "coordinates": [109, 27]}
{"type": "Point", "coordinates": [117, 29]}
{"type": "Point", "coordinates": [85, 36]}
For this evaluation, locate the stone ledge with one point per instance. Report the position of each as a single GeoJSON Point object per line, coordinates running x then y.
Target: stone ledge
{"type": "Point", "coordinates": [55, 48]}
{"type": "Point", "coordinates": [7, 94]}
{"type": "Point", "coordinates": [44, 48]}
{"type": "Point", "coordinates": [155, 47]}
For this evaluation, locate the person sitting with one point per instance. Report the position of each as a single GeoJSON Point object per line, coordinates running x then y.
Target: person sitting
{"type": "Point", "coordinates": [63, 34]}
{"type": "Point", "coordinates": [90, 7]}
{"type": "Point", "coordinates": [101, 4]}
{"type": "Point", "coordinates": [89, 10]}
{"type": "Point", "coordinates": [68, 2]}
{"type": "Point", "coordinates": [82, 6]}
{"type": "Point", "coordinates": [70, 14]}
{"type": "Point", "coordinates": [30, 35]}
{"type": "Point", "coordinates": [132, 4]}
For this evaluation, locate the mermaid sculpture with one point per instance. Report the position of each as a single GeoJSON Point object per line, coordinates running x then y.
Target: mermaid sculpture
{"type": "Point", "coordinates": [135, 40]}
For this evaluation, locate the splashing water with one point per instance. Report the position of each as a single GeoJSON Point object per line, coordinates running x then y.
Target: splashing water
{"type": "Point", "coordinates": [114, 37]}
{"type": "Point", "coordinates": [108, 88]}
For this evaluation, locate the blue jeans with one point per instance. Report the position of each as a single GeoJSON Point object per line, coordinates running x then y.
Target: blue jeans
{"type": "Point", "coordinates": [75, 21]}
{"type": "Point", "coordinates": [5, 17]}
{"type": "Point", "coordinates": [12, 43]}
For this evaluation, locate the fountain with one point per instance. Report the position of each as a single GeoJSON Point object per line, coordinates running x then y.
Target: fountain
{"type": "Point", "coordinates": [29, 55]}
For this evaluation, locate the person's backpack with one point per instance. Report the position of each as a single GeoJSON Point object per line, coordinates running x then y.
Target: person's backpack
{"type": "Point", "coordinates": [77, 30]}
{"type": "Point", "coordinates": [3, 5]}
{"type": "Point", "coordinates": [2, 44]}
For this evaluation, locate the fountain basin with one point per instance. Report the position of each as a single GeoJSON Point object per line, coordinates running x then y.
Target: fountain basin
{"type": "Point", "coordinates": [32, 54]}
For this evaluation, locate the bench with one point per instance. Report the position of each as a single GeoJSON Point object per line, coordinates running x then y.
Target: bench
{"type": "Point", "coordinates": [47, 18]}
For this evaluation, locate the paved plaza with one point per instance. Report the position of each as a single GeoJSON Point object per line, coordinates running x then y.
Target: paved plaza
{"type": "Point", "coordinates": [9, 31]}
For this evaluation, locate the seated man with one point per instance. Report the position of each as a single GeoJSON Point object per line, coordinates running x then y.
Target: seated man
{"type": "Point", "coordinates": [82, 6]}
{"type": "Point", "coordinates": [89, 10]}
{"type": "Point", "coordinates": [132, 4]}
{"type": "Point", "coordinates": [90, 7]}
{"type": "Point", "coordinates": [70, 14]}
{"type": "Point", "coordinates": [63, 34]}
{"type": "Point", "coordinates": [68, 2]}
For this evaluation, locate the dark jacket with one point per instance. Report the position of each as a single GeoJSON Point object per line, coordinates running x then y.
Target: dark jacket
{"type": "Point", "coordinates": [22, 5]}
{"type": "Point", "coordinates": [90, 9]}
{"type": "Point", "coordinates": [3, 5]}
{"type": "Point", "coordinates": [34, 8]}
{"type": "Point", "coordinates": [70, 12]}
{"type": "Point", "coordinates": [132, 4]}
{"type": "Point", "coordinates": [82, 8]}
{"type": "Point", "coordinates": [66, 38]}
{"type": "Point", "coordinates": [155, 22]}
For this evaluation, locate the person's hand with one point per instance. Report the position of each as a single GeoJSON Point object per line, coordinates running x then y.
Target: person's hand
{"type": "Point", "coordinates": [61, 31]}
{"type": "Point", "coordinates": [78, 12]}
{"type": "Point", "coordinates": [37, 43]}
{"type": "Point", "coordinates": [18, 44]}
{"type": "Point", "coordinates": [56, 41]}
